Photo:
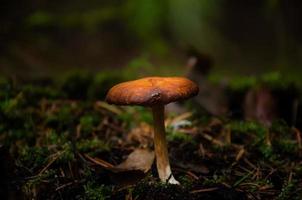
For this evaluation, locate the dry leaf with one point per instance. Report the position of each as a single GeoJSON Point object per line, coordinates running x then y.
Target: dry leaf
{"type": "Point", "coordinates": [130, 171]}
{"type": "Point", "coordinates": [139, 159]}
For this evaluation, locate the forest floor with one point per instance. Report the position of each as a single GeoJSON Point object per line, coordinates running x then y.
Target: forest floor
{"type": "Point", "coordinates": [60, 140]}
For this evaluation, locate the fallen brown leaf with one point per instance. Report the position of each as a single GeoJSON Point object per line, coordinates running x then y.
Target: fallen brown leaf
{"type": "Point", "coordinates": [131, 170]}
{"type": "Point", "coordinates": [139, 159]}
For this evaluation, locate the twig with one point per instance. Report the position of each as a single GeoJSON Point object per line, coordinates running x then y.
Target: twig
{"type": "Point", "coordinates": [240, 154]}
{"type": "Point", "coordinates": [211, 139]}
{"type": "Point", "coordinates": [249, 163]}
{"type": "Point", "coordinates": [189, 173]}
{"type": "Point", "coordinates": [70, 169]}
{"type": "Point", "coordinates": [270, 173]}
{"type": "Point", "coordinates": [204, 190]}
{"type": "Point", "coordinates": [99, 161]}
{"type": "Point", "coordinates": [265, 187]}
{"type": "Point", "coordinates": [245, 169]}
{"type": "Point", "coordinates": [290, 177]}
{"type": "Point", "coordinates": [65, 185]}
{"type": "Point", "coordinates": [192, 175]}
{"type": "Point", "coordinates": [252, 184]}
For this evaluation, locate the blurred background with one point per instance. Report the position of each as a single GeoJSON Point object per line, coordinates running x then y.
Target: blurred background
{"type": "Point", "coordinates": [42, 38]}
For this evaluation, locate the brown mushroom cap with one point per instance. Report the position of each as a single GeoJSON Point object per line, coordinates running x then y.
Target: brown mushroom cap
{"type": "Point", "coordinates": [152, 91]}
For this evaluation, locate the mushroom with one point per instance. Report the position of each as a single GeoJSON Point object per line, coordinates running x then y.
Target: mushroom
{"type": "Point", "coordinates": [155, 92]}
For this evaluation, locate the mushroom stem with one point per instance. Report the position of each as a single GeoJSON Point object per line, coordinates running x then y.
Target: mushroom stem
{"type": "Point", "coordinates": [160, 145]}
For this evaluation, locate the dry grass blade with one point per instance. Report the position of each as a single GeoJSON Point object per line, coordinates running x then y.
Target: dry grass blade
{"type": "Point", "coordinates": [211, 139]}
{"type": "Point", "coordinates": [99, 161]}
{"type": "Point", "coordinates": [204, 190]}
{"type": "Point", "coordinates": [240, 154]}
{"type": "Point", "coordinates": [106, 106]}
{"type": "Point", "coordinates": [179, 118]}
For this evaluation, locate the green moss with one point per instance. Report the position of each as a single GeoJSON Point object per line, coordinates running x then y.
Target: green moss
{"type": "Point", "coordinates": [88, 145]}
{"type": "Point", "coordinates": [266, 151]}
{"type": "Point", "coordinates": [290, 191]}
{"type": "Point", "coordinates": [11, 105]}
{"type": "Point", "coordinates": [173, 133]}
{"type": "Point", "coordinates": [214, 180]}
{"type": "Point", "coordinates": [76, 84]}
{"type": "Point", "coordinates": [66, 153]}
{"type": "Point", "coordinates": [277, 81]}
{"type": "Point", "coordinates": [286, 146]}
{"type": "Point", "coordinates": [37, 181]}
{"type": "Point", "coordinates": [33, 94]}
{"type": "Point", "coordinates": [127, 118]}
{"type": "Point", "coordinates": [256, 132]}
{"type": "Point", "coordinates": [285, 141]}
{"type": "Point", "coordinates": [273, 80]}
{"type": "Point", "coordinates": [61, 119]}
{"type": "Point", "coordinates": [242, 179]}
{"type": "Point", "coordinates": [88, 122]}
{"type": "Point", "coordinates": [298, 170]}
{"type": "Point", "coordinates": [185, 181]}
{"type": "Point", "coordinates": [136, 114]}
{"type": "Point", "coordinates": [96, 192]}
{"type": "Point", "coordinates": [33, 157]}
{"type": "Point", "coordinates": [178, 136]}
{"type": "Point", "coordinates": [53, 138]}
{"type": "Point", "coordinates": [159, 190]}
{"type": "Point", "coordinates": [242, 83]}
{"type": "Point", "coordinates": [259, 182]}
{"type": "Point", "coordinates": [248, 127]}
{"type": "Point", "coordinates": [19, 134]}
{"type": "Point", "coordinates": [144, 114]}
{"type": "Point", "coordinates": [281, 128]}
{"type": "Point", "coordinates": [102, 82]}
{"type": "Point", "coordinates": [6, 88]}
{"type": "Point", "coordinates": [138, 67]}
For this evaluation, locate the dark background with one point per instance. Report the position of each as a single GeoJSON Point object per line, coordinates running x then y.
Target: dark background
{"type": "Point", "coordinates": [42, 38]}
